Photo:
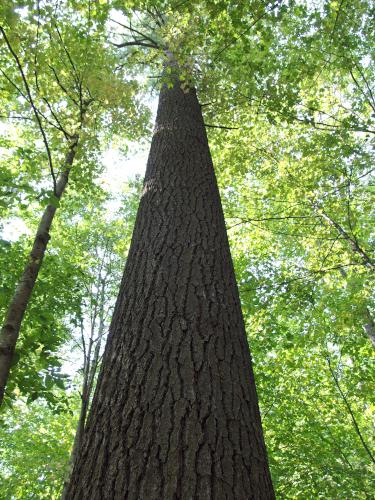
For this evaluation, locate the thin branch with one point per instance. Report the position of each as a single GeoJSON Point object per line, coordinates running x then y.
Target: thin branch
{"type": "Point", "coordinates": [22, 94]}
{"type": "Point", "coordinates": [244, 221]}
{"type": "Point", "coordinates": [353, 243]}
{"type": "Point", "coordinates": [318, 125]}
{"type": "Point", "coordinates": [31, 101]}
{"type": "Point", "coordinates": [355, 424]}
{"type": "Point", "coordinates": [137, 43]}
{"type": "Point", "coordinates": [58, 126]}
{"type": "Point", "coordinates": [153, 43]}
{"type": "Point", "coordinates": [246, 30]}
{"type": "Point", "coordinates": [305, 278]}
{"type": "Point", "coordinates": [221, 127]}
{"type": "Point", "coordinates": [62, 86]}
{"type": "Point", "coordinates": [337, 18]}
{"type": "Point", "coordinates": [366, 82]}
{"type": "Point", "coordinates": [16, 117]}
{"type": "Point", "coordinates": [329, 251]}
{"type": "Point", "coordinates": [78, 79]}
{"type": "Point", "coordinates": [361, 90]}
{"type": "Point", "coordinates": [36, 48]}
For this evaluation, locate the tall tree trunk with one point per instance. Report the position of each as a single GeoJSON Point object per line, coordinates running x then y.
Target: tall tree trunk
{"type": "Point", "coordinates": [175, 413]}
{"type": "Point", "coordinates": [17, 307]}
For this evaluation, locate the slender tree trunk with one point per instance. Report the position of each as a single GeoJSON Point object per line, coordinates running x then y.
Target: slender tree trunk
{"type": "Point", "coordinates": [90, 368]}
{"type": "Point", "coordinates": [17, 307]}
{"type": "Point", "coordinates": [175, 412]}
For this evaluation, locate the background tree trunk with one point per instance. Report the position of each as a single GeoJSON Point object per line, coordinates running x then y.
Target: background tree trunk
{"type": "Point", "coordinates": [18, 305]}
{"type": "Point", "coordinates": [91, 355]}
{"type": "Point", "coordinates": [175, 413]}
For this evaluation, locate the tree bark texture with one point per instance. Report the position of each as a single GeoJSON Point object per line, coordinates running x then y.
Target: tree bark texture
{"type": "Point", "coordinates": [17, 307]}
{"type": "Point", "coordinates": [175, 412]}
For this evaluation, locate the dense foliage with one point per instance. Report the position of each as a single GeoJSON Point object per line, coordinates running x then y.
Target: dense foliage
{"type": "Point", "coordinates": [286, 89]}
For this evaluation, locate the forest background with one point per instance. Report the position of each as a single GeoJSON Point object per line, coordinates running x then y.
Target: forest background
{"type": "Point", "coordinates": [286, 89]}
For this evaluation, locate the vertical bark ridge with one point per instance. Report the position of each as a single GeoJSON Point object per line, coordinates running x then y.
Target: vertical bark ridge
{"type": "Point", "coordinates": [175, 412]}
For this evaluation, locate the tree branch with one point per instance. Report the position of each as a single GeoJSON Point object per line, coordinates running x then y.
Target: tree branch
{"type": "Point", "coordinates": [221, 126]}
{"type": "Point", "coordinates": [152, 43]}
{"type": "Point", "coordinates": [244, 221]}
{"type": "Point", "coordinates": [353, 243]}
{"type": "Point", "coordinates": [137, 43]}
{"type": "Point", "coordinates": [276, 3]}
{"type": "Point", "coordinates": [58, 81]}
{"type": "Point", "coordinates": [31, 101]}
{"type": "Point", "coordinates": [372, 106]}
{"type": "Point", "coordinates": [355, 424]}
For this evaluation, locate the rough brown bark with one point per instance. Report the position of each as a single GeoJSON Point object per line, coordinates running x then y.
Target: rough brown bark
{"type": "Point", "coordinates": [17, 307]}
{"type": "Point", "coordinates": [175, 413]}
